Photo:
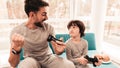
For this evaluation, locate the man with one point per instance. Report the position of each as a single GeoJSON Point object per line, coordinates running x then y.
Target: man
{"type": "Point", "coordinates": [32, 37]}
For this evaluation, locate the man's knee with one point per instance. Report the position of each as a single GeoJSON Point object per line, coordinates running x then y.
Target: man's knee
{"type": "Point", "coordinates": [29, 63]}
{"type": "Point", "coordinates": [69, 64]}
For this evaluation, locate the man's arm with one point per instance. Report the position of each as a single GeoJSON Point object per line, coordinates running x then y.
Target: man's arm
{"type": "Point", "coordinates": [13, 59]}
{"type": "Point", "coordinates": [17, 42]}
{"type": "Point", "coordinates": [58, 47]}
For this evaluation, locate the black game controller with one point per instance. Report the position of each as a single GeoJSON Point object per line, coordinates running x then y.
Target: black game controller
{"type": "Point", "coordinates": [52, 38]}
{"type": "Point", "coordinates": [93, 60]}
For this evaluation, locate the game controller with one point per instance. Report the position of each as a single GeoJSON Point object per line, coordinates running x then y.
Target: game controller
{"type": "Point", "coordinates": [52, 38]}
{"type": "Point", "coordinates": [93, 60]}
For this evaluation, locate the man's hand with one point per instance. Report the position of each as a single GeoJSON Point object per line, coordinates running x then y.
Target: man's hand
{"type": "Point", "coordinates": [61, 45]}
{"type": "Point", "coordinates": [58, 46]}
{"type": "Point", "coordinates": [17, 41]}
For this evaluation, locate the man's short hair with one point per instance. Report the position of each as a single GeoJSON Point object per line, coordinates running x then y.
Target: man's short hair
{"type": "Point", "coordinates": [34, 5]}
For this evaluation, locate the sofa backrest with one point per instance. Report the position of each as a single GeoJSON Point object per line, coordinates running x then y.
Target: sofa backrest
{"type": "Point", "coordinates": [90, 37]}
{"type": "Point", "coordinates": [21, 55]}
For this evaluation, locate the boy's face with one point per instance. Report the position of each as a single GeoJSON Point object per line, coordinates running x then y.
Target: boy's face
{"type": "Point", "coordinates": [74, 31]}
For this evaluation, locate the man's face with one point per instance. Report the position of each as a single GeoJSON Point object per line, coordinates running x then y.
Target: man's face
{"type": "Point", "coordinates": [41, 15]}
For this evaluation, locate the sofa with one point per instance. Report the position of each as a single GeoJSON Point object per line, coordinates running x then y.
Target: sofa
{"type": "Point", "coordinates": [90, 37]}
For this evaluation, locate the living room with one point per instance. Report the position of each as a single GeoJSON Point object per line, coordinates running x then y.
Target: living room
{"type": "Point", "coordinates": [100, 17]}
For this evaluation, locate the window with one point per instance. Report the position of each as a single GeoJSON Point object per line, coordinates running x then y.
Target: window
{"type": "Point", "coordinates": [11, 14]}
{"type": "Point", "coordinates": [83, 12]}
{"type": "Point", "coordinates": [60, 13]}
{"type": "Point", "coordinates": [112, 32]}
{"type": "Point", "coordinates": [113, 8]}
{"type": "Point", "coordinates": [59, 8]}
{"type": "Point", "coordinates": [112, 24]}
{"type": "Point", "coordinates": [12, 9]}
{"type": "Point", "coordinates": [83, 7]}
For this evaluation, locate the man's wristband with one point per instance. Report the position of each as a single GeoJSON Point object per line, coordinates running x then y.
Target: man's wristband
{"type": "Point", "coordinates": [16, 52]}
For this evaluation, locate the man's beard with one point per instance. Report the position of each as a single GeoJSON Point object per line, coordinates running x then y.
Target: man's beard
{"type": "Point", "coordinates": [39, 24]}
